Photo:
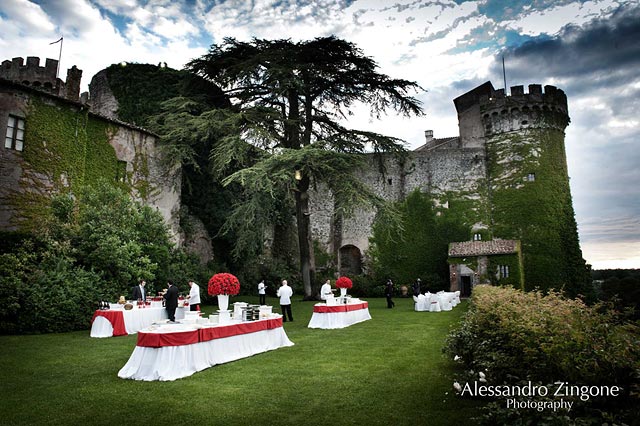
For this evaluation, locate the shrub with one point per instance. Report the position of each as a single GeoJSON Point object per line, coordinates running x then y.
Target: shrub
{"type": "Point", "coordinates": [92, 248]}
{"type": "Point", "coordinates": [519, 337]}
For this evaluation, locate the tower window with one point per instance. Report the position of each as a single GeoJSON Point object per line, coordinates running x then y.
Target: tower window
{"type": "Point", "coordinates": [477, 237]}
{"type": "Point", "coordinates": [503, 271]}
{"type": "Point", "coordinates": [14, 138]}
{"type": "Point", "coordinates": [390, 181]}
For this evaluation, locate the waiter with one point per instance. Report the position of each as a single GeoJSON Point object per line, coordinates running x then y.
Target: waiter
{"type": "Point", "coordinates": [171, 300]}
{"type": "Point", "coordinates": [138, 291]}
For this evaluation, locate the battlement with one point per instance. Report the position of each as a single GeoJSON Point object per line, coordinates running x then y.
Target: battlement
{"type": "Point", "coordinates": [551, 98]}
{"type": "Point", "coordinates": [485, 111]}
{"type": "Point", "coordinates": [487, 97]}
{"type": "Point", "coordinates": [42, 77]}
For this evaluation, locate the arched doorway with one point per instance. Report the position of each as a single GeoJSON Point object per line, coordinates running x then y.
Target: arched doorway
{"type": "Point", "coordinates": [350, 260]}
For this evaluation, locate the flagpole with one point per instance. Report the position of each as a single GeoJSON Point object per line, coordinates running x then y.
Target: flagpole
{"type": "Point", "coordinates": [60, 40]}
{"type": "Point", "coordinates": [59, 57]}
{"type": "Point", "coordinates": [504, 73]}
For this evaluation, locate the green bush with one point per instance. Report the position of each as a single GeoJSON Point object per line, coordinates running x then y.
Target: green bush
{"type": "Point", "coordinates": [515, 337]}
{"type": "Point", "coordinates": [94, 247]}
{"type": "Point", "coordinates": [365, 286]}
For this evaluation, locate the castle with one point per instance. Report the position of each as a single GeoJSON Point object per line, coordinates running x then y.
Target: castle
{"type": "Point", "coordinates": [507, 171]}
{"type": "Point", "coordinates": [507, 168]}
{"type": "Point", "coordinates": [55, 142]}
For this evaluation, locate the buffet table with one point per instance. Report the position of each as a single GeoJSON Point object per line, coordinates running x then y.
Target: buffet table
{"type": "Point", "coordinates": [339, 316]}
{"type": "Point", "coordinates": [173, 351]}
{"type": "Point", "coordinates": [119, 322]}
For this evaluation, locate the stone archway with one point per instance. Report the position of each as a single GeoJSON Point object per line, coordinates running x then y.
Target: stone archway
{"type": "Point", "coordinates": [350, 260]}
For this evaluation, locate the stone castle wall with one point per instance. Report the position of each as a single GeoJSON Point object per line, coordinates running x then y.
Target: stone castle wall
{"type": "Point", "coordinates": [438, 171]}
{"type": "Point", "coordinates": [23, 85]}
{"type": "Point", "coordinates": [457, 167]}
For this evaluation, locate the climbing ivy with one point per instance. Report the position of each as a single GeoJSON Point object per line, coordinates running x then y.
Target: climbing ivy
{"type": "Point", "coordinates": [420, 249]}
{"type": "Point", "coordinates": [538, 212]}
{"type": "Point", "coordinates": [64, 149]}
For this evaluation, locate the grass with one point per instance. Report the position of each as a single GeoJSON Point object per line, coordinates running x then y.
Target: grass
{"type": "Point", "coordinates": [386, 371]}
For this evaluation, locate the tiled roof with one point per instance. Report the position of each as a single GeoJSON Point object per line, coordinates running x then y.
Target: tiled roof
{"type": "Point", "coordinates": [482, 248]}
{"type": "Point", "coordinates": [434, 143]}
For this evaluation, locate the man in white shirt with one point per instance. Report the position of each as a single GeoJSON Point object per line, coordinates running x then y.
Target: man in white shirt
{"type": "Point", "coordinates": [325, 290]}
{"type": "Point", "coordinates": [284, 293]}
{"type": "Point", "coordinates": [262, 293]}
{"type": "Point", "coordinates": [194, 296]}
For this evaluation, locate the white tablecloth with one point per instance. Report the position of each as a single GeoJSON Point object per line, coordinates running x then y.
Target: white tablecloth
{"type": "Point", "coordinates": [175, 362]}
{"type": "Point", "coordinates": [134, 320]}
{"type": "Point", "coordinates": [331, 320]}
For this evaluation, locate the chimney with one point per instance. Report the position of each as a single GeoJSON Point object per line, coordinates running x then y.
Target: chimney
{"type": "Point", "coordinates": [428, 135]}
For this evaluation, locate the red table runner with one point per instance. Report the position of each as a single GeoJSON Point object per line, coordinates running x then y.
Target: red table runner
{"type": "Point", "coordinates": [340, 308]}
{"type": "Point", "coordinates": [116, 318]}
{"type": "Point", "coordinates": [156, 340]}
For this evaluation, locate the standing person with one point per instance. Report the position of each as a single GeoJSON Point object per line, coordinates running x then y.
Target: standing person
{"type": "Point", "coordinates": [139, 292]}
{"type": "Point", "coordinates": [284, 293]}
{"type": "Point", "coordinates": [171, 300]}
{"type": "Point", "coordinates": [325, 290]}
{"type": "Point", "coordinates": [388, 291]}
{"type": "Point", "coordinates": [262, 293]}
{"type": "Point", "coordinates": [194, 296]}
{"type": "Point", "coordinates": [416, 287]}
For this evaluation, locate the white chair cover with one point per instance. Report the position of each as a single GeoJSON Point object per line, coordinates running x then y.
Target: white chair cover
{"type": "Point", "coordinates": [434, 303]}
{"type": "Point", "coordinates": [445, 301]}
{"type": "Point", "coordinates": [421, 304]}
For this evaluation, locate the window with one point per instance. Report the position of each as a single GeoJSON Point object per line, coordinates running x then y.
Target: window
{"type": "Point", "coordinates": [531, 177]}
{"type": "Point", "coordinates": [121, 171]}
{"type": "Point", "coordinates": [14, 139]}
{"type": "Point", "coordinates": [504, 271]}
{"type": "Point", "coordinates": [477, 237]}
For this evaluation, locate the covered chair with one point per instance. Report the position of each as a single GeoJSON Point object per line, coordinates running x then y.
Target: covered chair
{"type": "Point", "coordinates": [422, 303]}
{"type": "Point", "coordinates": [456, 296]}
{"type": "Point", "coordinates": [434, 303]}
{"type": "Point", "coordinates": [445, 301]}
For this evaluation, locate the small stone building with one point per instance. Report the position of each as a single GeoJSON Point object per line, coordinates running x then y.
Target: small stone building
{"type": "Point", "coordinates": [481, 262]}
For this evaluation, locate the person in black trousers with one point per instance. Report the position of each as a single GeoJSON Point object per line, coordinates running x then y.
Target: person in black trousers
{"type": "Point", "coordinates": [388, 291]}
{"type": "Point", "coordinates": [171, 301]}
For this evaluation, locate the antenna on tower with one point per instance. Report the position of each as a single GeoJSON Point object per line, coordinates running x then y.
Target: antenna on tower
{"type": "Point", "coordinates": [504, 76]}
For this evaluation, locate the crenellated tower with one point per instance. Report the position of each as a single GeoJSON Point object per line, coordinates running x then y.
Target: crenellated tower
{"type": "Point", "coordinates": [42, 78]}
{"type": "Point", "coordinates": [527, 177]}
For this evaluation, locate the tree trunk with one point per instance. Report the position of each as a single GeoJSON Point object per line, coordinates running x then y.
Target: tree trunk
{"type": "Point", "coordinates": [307, 261]}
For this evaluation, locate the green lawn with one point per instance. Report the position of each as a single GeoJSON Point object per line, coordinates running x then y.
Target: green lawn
{"type": "Point", "coordinates": [386, 371]}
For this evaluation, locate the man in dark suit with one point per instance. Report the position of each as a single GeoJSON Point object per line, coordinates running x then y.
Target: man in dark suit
{"type": "Point", "coordinates": [171, 301]}
{"type": "Point", "coordinates": [139, 291]}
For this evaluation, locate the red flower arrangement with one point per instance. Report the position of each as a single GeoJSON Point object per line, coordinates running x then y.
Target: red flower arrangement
{"type": "Point", "coordinates": [223, 283]}
{"type": "Point", "coordinates": [344, 282]}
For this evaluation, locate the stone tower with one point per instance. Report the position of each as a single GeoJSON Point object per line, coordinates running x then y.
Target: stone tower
{"type": "Point", "coordinates": [43, 78]}
{"type": "Point", "coordinates": [527, 178]}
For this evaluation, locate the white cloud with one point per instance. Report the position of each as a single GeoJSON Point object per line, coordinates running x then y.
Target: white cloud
{"type": "Point", "coordinates": [551, 20]}
{"type": "Point", "coordinates": [24, 18]}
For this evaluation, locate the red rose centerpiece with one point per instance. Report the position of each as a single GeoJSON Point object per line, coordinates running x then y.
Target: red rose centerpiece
{"type": "Point", "coordinates": [223, 285]}
{"type": "Point", "coordinates": [343, 283]}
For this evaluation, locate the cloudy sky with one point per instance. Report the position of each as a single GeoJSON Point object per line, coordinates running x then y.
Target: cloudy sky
{"type": "Point", "coordinates": [590, 49]}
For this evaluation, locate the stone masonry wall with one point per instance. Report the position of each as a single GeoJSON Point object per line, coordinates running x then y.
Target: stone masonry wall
{"type": "Point", "coordinates": [438, 171]}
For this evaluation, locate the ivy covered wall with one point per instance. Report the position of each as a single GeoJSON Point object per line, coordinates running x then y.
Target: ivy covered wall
{"type": "Point", "coordinates": [65, 148]}
{"type": "Point", "coordinates": [531, 202]}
